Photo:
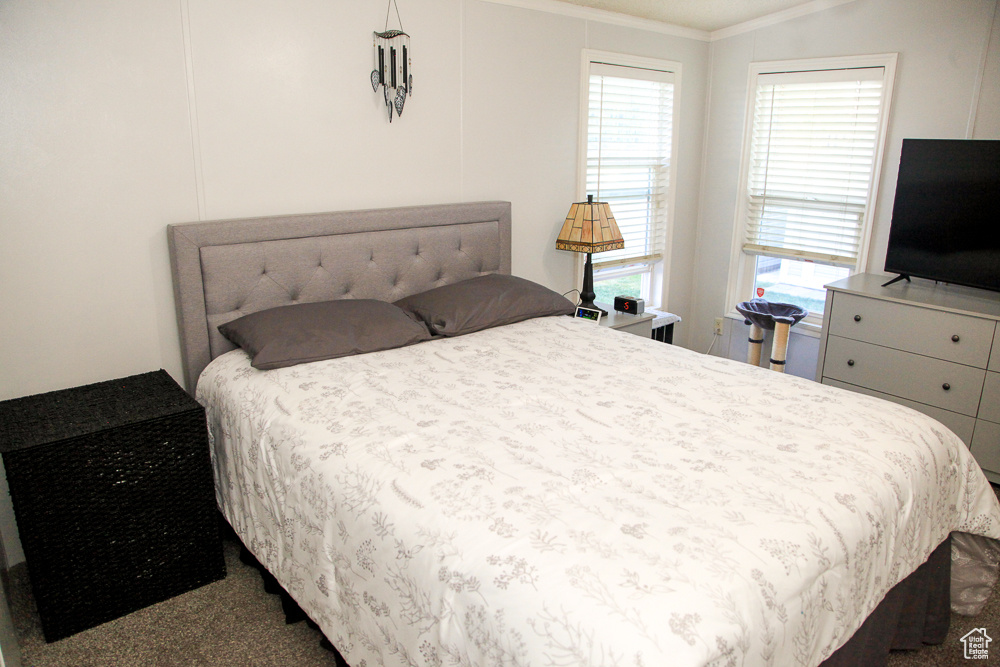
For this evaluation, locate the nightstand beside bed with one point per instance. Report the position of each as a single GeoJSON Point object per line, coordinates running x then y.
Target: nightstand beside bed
{"type": "Point", "coordinates": [113, 493]}
{"type": "Point", "coordinates": [655, 324]}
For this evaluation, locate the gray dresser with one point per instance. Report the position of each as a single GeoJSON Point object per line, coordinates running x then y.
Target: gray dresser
{"type": "Point", "coordinates": [935, 348]}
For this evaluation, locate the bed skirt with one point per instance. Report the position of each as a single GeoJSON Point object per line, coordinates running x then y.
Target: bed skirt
{"type": "Point", "coordinates": [915, 613]}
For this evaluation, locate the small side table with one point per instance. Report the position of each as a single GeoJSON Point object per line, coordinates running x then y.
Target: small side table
{"type": "Point", "coordinates": [639, 325]}
{"type": "Point", "coordinates": [113, 493]}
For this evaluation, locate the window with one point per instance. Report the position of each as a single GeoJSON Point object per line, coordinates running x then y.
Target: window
{"type": "Point", "coordinates": [813, 150]}
{"type": "Point", "coordinates": [627, 143]}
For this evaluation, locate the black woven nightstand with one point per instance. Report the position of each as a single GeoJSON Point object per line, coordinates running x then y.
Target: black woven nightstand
{"type": "Point", "coordinates": [113, 493]}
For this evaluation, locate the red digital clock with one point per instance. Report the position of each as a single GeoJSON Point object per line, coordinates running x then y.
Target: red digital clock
{"type": "Point", "coordinates": [630, 304]}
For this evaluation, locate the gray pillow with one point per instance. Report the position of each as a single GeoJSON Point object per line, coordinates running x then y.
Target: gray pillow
{"type": "Point", "coordinates": [480, 303]}
{"type": "Point", "coordinates": [290, 335]}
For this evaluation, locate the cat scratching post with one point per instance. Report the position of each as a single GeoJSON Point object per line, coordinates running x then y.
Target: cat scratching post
{"type": "Point", "coordinates": [777, 317]}
{"type": "Point", "coordinates": [779, 346]}
{"type": "Point", "coordinates": [755, 344]}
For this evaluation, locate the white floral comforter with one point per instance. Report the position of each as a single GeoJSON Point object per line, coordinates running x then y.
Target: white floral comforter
{"type": "Point", "coordinates": [556, 493]}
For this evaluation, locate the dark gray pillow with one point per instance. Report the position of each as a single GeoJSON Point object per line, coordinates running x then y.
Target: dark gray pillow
{"type": "Point", "coordinates": [290, 335]}
{"type": "Point", "coordinates": [483, 302]}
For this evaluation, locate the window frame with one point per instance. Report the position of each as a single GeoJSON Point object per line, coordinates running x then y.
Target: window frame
{"type": "Point", "coordinates": [656, 270]}
{"type": "Point", "coordinates": [742, 264]}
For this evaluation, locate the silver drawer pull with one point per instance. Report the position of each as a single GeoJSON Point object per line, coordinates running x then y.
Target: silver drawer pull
{"type": "Point", "coordinates": [857, 318]}
{"type": "Point", "coordinates": [850, 362]}
{"type": "Point", "coordinates": [946, 386]}
{"type": "Point", "coordinates": [955, 338]}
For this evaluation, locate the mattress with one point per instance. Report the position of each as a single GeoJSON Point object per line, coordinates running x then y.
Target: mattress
{"type": "Point", "coordinates": [557, 493]}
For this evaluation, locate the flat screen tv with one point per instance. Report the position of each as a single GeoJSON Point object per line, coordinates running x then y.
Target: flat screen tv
{"type": "Point", "coordinates": [946, 215]}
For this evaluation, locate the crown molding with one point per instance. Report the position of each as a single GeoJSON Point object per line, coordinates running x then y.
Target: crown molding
{"type": "Point", "coordinates": [614, 18]}
{"type": "Point", "coordinates": [775, 18]}
{"type": "Point", "coordinates": [603, 16]}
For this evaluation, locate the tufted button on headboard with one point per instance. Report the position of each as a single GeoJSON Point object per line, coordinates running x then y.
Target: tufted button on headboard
{"type": "Point", "coordinates": [225, 269]}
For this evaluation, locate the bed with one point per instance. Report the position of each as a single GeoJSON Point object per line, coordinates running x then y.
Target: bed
{"type": "Point", "coordinates": [551, 492]}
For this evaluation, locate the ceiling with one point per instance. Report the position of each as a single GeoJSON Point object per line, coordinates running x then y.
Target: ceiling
{"type": "Point", "coordinates": [705, 15]}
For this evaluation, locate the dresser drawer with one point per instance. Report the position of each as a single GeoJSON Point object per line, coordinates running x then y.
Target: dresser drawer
{"type": "Point", "coordinates": [934, 333]}
{"type": "Point", "coordinates": [986, 445]}
{"type": "Point", "coordinates": [961, 425]}
{"type": "Point", "coordinates": [989, 405]}
{"type": "Point", "coordinates": [906, 375]}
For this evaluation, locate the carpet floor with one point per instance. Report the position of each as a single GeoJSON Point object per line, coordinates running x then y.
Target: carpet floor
{"type": "Point", "coordinates": [228, 622]}
{"type": "Point", "coordinates": [234, 622]}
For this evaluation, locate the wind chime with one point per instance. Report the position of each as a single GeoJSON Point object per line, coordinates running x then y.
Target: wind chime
{"type": "Point", "coordinates": [392, 65]}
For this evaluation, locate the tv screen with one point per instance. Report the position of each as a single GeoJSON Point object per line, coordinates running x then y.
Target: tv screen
{"type": "Point", "coordinates": [946, 215]}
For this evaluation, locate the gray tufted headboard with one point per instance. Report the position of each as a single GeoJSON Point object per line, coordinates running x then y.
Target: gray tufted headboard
{"type": "Point", "coordinates": [228, 268]}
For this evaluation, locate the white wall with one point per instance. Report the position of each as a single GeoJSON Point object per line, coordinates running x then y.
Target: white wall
{"type": "Point", "coordinates": [946, 76]}
{"type": "Point", "coordinates": [118, 117]}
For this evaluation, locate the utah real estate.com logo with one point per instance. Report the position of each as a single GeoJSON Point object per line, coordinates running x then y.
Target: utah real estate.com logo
{"type": "Point", "coordinates": [977, 644]}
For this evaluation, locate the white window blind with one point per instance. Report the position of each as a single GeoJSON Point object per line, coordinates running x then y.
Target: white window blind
{"type": "Point", "coordinates": [628, 155]}
{"type": "Point", "coordinates": [814, 143]}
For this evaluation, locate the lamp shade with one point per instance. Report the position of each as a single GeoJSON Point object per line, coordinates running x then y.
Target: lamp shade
{"type": "Point", "coordinates": [589, 227]}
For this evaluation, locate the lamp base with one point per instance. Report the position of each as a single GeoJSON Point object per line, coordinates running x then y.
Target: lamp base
{"type": "Point", "coordinates": [587, 294]}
